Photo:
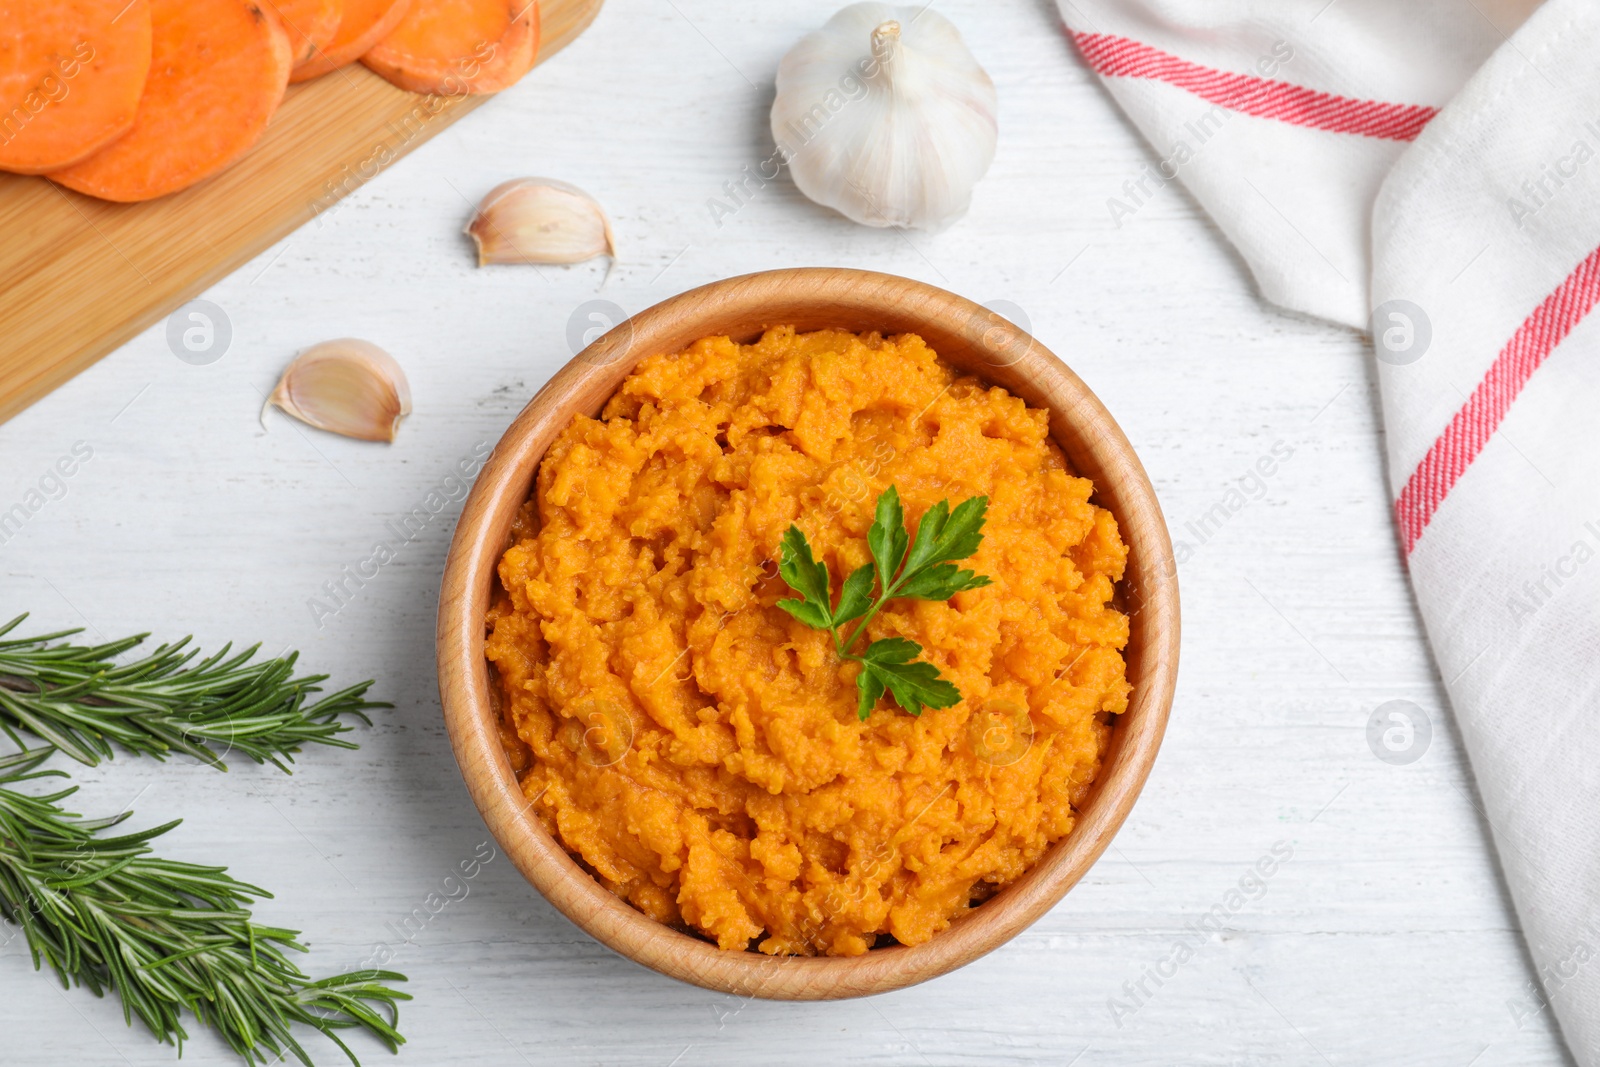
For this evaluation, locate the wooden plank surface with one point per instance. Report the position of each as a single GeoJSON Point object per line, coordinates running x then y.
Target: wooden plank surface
{"type": "Point", "coordinates": [79, 276]}
{"type": "Point", "coordinates": [1387, 938]}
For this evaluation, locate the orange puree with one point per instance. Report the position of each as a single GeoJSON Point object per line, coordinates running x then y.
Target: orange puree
{"type": "Point", "coordinates": [698, 749]}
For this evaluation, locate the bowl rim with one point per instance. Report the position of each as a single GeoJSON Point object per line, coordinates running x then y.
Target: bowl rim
{"type": "Point", "coordinates": [965, 334]}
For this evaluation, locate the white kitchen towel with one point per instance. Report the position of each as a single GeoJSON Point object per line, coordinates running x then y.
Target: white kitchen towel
{"type": "Point", "coordinates": [1433, 168]}
{"type": "Point", "coordinates": [1283, 117]}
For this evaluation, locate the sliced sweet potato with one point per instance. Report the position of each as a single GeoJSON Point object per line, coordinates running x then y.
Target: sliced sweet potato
{"type": "Point", "coordinates": [218, 71]}
{"type": "Point", "coordinates": [459, 46]}
{"type": "Point", "coordinates": [71, 72]}
{"type": "Point", "coordinates": [310, 24]}
{"type": "Point", "coordinates": [362, 24]}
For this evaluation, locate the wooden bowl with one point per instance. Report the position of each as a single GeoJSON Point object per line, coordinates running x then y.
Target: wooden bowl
{"type": "Point", "coordinates": [967, 336]}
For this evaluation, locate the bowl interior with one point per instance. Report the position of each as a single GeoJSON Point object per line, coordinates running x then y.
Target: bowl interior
{"type": "Point", "coordinates": [969, 337]}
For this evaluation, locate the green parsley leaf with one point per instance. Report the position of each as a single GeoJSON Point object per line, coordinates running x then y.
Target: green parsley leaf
{"type": "Point", "coordinates": [870, 684]}
{"type": "Point", "coordinates": [941, 582]}
{"type": "Point", "coordinates": [855, 599]}
{"type": "Point", "coordinates": [913, 684]}
{"type": "Point", "coordinates": [807, 577]}
{"type": "Point", "coordinates": [923, 568]}
{"type": "Point", "coordinates": [888, 538]}
{"type": "Point", "coordinates": [807, 613]}
{"type": "Point", "coordinates": [944, 535]}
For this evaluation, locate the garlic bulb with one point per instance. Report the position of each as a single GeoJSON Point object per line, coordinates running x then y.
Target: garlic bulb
{"type": "Point", "coordinates": [884, 116]}
{"type": "Point", "coordinates": [540, 220]}
{"type": "Point", "coordinates": [347, 387]}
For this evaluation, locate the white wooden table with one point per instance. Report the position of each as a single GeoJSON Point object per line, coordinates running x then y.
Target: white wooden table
{"type": "Point", "coordinates": [1386, 938]}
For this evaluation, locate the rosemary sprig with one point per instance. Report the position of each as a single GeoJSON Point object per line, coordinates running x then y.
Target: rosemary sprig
{"type": "Point", "coordinates": [78, 699]}
{"type": "Point", "coordinates": [105, 913]}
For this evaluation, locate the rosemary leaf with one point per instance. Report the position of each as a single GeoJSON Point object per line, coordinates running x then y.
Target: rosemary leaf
{"type": "Point", "coordinates": [79, 699]}
{"type": "Point", "coordinates": [167, 937]}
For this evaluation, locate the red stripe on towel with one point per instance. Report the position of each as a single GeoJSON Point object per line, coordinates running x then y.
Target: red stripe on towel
{"type": "Point", "coordinates": [1471, 427]}
{"type": "Point", "coordinates": [1119, 57]}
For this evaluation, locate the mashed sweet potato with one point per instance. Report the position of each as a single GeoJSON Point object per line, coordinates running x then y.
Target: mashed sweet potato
{"type": "Point", "coordinates": [698, 749]}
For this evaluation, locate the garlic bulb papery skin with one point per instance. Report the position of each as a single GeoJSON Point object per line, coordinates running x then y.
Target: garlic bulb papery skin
{"type": "Point", "coordinates": [348, 386]}
{"type": "Point", "coordinates": [540, 220]}
{"type": "Point", "coordinates": [884, 116]}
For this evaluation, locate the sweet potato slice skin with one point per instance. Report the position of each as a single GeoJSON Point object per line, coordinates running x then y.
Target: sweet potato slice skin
{"type": "Point", "coordinates": [459, 46]}
{"type": "Point", "coordinates": [362, 24]}
{"type": "Point", "coordinates": [218, 71]}
{"type": "Point", "coordinates": [71, 73]}
{"type": "Point", "coordinates": [310, 24]}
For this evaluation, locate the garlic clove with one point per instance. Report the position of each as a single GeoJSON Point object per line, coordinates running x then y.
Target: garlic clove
{"type": "Point", "coordinates": [348, 387]}
{"type": "Point", "coordinates": [884, 115]}
{"type": "Point", "coordinates": [540, 220]}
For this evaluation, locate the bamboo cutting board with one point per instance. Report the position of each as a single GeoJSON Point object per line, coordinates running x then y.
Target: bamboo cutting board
{"type": "Point", "coordinates": [79, 276]}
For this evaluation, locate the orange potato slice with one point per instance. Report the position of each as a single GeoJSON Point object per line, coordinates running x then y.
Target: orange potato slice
{"type": "Point", "coordinates": [310, 24]}
{"type": "Point", "coordinates": [459, 46]}
{"type": "Point", "coordinates": [362, 24]}
{"type": "Point", "coordinates": [217, 73]}
{"type": "Point", "coordinates": [71, 73]}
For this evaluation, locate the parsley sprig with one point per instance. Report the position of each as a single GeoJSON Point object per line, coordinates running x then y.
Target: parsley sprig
{"type": "Point", "coordinates": [923, 568]}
